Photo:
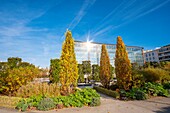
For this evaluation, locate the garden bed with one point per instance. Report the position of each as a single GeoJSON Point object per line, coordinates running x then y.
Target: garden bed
{"type": "Point", "coordinates": [149, 90]}
{"type": "Point", "coordinates": [81, 97]}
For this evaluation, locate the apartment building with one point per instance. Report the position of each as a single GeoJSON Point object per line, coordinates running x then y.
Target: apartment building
{"type": "Point", "coordinates": [158, 55]}
{"type": "Point", "coordinates": [164, 53]}
{"type": "Point", "coordinates": [151, 56]}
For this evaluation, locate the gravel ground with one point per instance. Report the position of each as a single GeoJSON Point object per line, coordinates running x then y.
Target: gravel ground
{"type": "Point", "coordinates": [110, 105]}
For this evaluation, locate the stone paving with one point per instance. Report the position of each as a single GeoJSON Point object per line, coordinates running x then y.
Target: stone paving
{"type": "Point", "coordinates": [110, 105]}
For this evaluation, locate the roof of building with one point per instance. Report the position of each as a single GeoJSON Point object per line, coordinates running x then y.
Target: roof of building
{"type": "Point", "coordinates": [149, 51]}
{"type": "Point", "coordinates": [108, 44]}
{"type": "Point", "coordinates": [166, 45]}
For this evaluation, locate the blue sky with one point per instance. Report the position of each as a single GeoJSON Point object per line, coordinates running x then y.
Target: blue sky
{"type": "Point", "coordinates": [34, 29]}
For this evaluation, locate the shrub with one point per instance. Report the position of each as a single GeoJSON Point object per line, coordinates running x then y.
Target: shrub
{"type": "Point", "coordinates": [140, 95]}
{"type": "Point", "coordinates": [166, 85]}
{"type": "Point", "coordinates": [95, 101]}
{"type": "Point", "coordinates": [155, 89]}
{"type": "Point", "coordinates": [86, 96]}
{"type": "Point", "coordinates": [14, 78]}
{"type": "Point", "coordinates": [113, 87]}
{"type": "Point", "coordinates": [167, 66]}
{"type": "Point", "coordinates": [133, 94]}
{"type": "Point", "coordinates": [26, 103]}
{"type": "Point", "coordinates": [136, 94]}
{"type": "Point", "coordinates": [149, 89]}
{"type": "Point", "coordinates": [46, 104]}
{"type": "Point", "coordinates": [138, 79]}
{"type": "Point", "coordinates": [49, 90]}
{"type": "Point", "coordinates": [22, 105]}
{"type": "Point", "coordinates": [111, 93]}
{"type": "Point", "coordinates": [155, 75]}
{"type": "Point", "coordinates": [79, 98]}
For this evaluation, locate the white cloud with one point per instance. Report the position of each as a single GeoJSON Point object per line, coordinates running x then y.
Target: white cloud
{"type": "Point", "coordinates": [18, 30]}
{"type": "Point", "coordinates": [82, 12]}
{"type": "Point", "coordinates": [157, 48]}
{"type": "Point", "coordinates": [123, 14]}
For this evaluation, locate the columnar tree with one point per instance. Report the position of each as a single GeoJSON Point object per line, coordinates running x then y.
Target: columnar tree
{"type": "Point", "coordinates": [122, 66]}
{"type": "Point", "coordinates": [54, 70]}
{"type": "Point", "coordinates": [104, 67]}
{"type": "Point", "coordinates": [86, 69]}
{"type": "Point", "coordinates": [68, 65]}
{"type": "Point", "coordinates": [112, 71]}
{"type": "Point", "coordinates": [80, 72]}
{"type": "Point", "coordinates": [95, 72]}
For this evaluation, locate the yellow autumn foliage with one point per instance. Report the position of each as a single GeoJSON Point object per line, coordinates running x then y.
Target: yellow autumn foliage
{"type": "Point", "coordinates": [14, 78]}
{"type": "Point", "coordinates": [122, 66]}
{"type": "Point", "coordinates": [68, 65]}
{"type": "Point", "coordinates": [104, 67]}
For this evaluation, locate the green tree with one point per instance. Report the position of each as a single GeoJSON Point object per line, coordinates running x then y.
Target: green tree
{"type": "Point", "coordinates": [122, 66]}
{"type": "Point", "coordinates": [14, 62]}
{"type": "Point", "coordinates": [81, 74]}
{"type": "Point", "coordinates": [96, 72]}
{"type": "Point", "coordinates": [104, 67]}
{"type": "Point", "coordinates": [112, 71]}
{"type": "Point", "coordinates": [54, 70]}
{"type": "Point", "coordinates": [68, 65]}
{"type": "Point", "coordinates": [87, 69]}
{"type": "Point", "coordinates": [25, 64]}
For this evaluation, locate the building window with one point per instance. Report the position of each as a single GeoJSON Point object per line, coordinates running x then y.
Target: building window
{"type": "Point", "coordinates": [152, 54]}
{"type": "Point", "coordinates": [146, 55]}
{"type": "Point", "coordinates": [149, 54]}
{"type": "Point", "coordinates": [153, 58]}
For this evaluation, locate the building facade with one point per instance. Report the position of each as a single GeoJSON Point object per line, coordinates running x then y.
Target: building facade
{"type": "Point", "coordinates": [164, 53]}
{"type": "Point", "coordinates": [92, 51]}
{"type": "Point", "coordinates": [151, 56]}
{"type": "Point", "coordinates": [158, 55]}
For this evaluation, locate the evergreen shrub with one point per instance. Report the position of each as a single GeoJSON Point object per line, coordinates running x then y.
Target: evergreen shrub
{"type": "Point", "coordinates": [111, 93]}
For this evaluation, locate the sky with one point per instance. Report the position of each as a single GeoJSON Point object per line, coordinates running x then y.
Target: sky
{"type": "Point", "coordinates": [34, 29]}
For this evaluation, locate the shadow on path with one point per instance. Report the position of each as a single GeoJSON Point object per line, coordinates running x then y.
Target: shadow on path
{"type": "Point", "coordinates": [163, 110]}
{"type": "Point", "coordinates": [158, 102]}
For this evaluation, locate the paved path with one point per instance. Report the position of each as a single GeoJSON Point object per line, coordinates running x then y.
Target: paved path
{"type": "Point", "coordinates": [110, 105]}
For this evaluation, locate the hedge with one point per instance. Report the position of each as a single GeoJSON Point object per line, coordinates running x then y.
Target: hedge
{"type": "Point", "coordinates": [111, 93]}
